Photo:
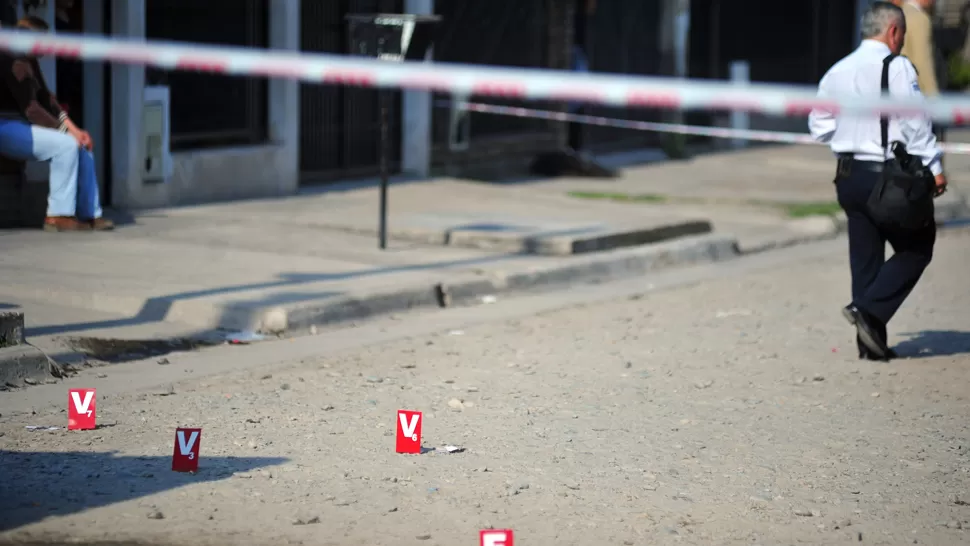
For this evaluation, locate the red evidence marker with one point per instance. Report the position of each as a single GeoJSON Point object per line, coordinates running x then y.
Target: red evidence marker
{"type": "Point", "coordinates": [186, 455]}
{"type": "Point", "coordinates": [408, 431]}
{"type": "Point", "coordinates": [495, 537]}
{"type": "Point", "coordinates": [81, 409]}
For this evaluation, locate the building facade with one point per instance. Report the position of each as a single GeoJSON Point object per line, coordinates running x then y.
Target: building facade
{"type": "Point", "coordinates": [339, 125]}
{"type": "Point", "coordinates": [236, 137]}
{"type": "Point", "coordinates": [784, 42]}
{"type": "Point", "coordinates": [791, 42]}
{"type": "Point", "coordinates": [228, 138]}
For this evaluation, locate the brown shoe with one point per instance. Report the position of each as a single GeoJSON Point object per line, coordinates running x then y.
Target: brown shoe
{"type": "Point", "coordinates": [100, 224]}
{"type": "Point", "coordinates": [65, 223]}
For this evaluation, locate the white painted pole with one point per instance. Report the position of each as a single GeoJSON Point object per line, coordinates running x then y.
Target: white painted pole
{"type": "Point", "coordinates": [741, 76]}
{"type": "Point", "coordinates": [416, 112]}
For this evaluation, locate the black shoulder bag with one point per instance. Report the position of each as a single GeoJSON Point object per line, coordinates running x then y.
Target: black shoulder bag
{"type": "Point", "coordinates": [903, 198]}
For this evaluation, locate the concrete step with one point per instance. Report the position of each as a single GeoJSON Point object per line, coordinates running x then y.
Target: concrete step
{"type": "Point", "coordinates": [197, 284]}
{"type": "Point", "coordinates": [11, 329]}
{"type": "Point", "coordinates": [19, 363]}
{"type": "Point", "coordinates": [23, 364]}
{"type": "Point", "coordinates": [541, 238]}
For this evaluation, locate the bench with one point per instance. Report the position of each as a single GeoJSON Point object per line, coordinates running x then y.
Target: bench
{"type": "Point", "coordinates": [22, 204]}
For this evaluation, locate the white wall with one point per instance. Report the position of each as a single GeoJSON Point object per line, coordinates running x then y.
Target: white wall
{"type": "Point", "coordinates": [270, 169]}
{"type": "Point", "coordinates": [416, 114]}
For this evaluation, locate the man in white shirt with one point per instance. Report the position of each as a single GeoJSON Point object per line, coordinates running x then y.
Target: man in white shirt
{"type": "Point", "coordinates": [879, 287]}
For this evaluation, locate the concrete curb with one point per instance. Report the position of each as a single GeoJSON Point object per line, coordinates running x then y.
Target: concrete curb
{"type": "Point", "coordinates": [543, 244]}
{"type": "Point", "coordinates": [11, 329]}
{"type": "Point", "coordinates": [469, 288]}
{"type": "Point", "coordinates": [19, 361]}
{"type": "Point", "coordinates": [23, 362]}
{"type": "Point", "coordinates": [567, 245]}
{"type": "Point", "coordinates": [820, 228]}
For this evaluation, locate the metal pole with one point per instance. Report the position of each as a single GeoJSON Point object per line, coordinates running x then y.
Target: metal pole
{"type": "Point", "coordinates": [673, 44]}
{"type": "Point", "coordinates": [817, 37]}
{"type": "Point", "coordinates": [382, 94]}
{"type": "Point", "coordinates": [741, 76]}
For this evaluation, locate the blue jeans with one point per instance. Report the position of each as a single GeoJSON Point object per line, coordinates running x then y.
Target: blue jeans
{"type": "Point", "coordinates": [73, 180]}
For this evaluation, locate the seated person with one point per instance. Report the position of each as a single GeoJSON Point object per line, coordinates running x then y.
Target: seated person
{"type": "Point", "coordinates": [33, 127]}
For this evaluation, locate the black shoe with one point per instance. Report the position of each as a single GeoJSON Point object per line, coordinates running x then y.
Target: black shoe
{"type": "Point", "coordinates": [867, 334]}
{"type": "Point", "coordinates": [864, 354]}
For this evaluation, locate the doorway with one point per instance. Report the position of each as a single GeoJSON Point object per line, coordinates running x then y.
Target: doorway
{"type": "Point", "coordinates": [340, 126]}
{"type": "Point", "coordinates": [777, 52]}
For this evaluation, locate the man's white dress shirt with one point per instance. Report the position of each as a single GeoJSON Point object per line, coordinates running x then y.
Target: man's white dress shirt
{"type": "Point", "coordinates": [860, 75]}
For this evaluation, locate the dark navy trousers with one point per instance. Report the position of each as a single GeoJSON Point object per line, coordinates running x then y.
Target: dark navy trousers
{"type": "Point", "coordinates": [880, 286]}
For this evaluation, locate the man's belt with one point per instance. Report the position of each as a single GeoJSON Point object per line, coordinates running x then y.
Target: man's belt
{"type": "Point", "coordinates": [847, 163]}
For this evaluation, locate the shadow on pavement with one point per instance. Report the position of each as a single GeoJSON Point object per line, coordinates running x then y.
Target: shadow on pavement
{"type": "Point", "coordinates": [156, 309]}
{"type": "Point", "coordinates": [121, 218]}
{"type": "Point", "coordinates": [114, 351]}
{"type": "Point", "coordinates": [38, 485]}
{"type": "Point", "coordinates": [930, 343]}
{"type": "Point", "coordinates": [72, 542]}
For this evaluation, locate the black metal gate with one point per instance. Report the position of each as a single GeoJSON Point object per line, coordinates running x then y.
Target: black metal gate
{"type": "Point", "coordinates": [491, 32]}
{"type": "Point", "coordinates": [340, 126]}
{"type": "Point", "coordinates": [212, 110]}
{"type": "Point", "coordinates": [624, 39]}
{"type": "Point", "coordinates": [777, 52]}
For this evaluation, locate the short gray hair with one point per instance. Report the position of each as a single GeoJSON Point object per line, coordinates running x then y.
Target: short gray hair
{"type": "Point", "coordinates": [878, 17]}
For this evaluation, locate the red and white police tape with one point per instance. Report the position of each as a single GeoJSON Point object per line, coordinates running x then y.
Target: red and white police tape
{"type": "Point", "coordinates": [715, 132]}
{"type": "Point", "coordinates": [468, 80]}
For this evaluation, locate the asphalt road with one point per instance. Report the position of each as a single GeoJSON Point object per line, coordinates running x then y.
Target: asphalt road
{"type": "Point", "coordinates": [715, 405]}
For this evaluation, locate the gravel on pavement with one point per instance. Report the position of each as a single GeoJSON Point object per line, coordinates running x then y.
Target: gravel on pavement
{"type": "Point", "coordinates": [732, 411]}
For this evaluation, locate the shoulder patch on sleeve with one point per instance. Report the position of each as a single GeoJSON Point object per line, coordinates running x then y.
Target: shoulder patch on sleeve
{"type": "Point", "coordinates": [908, 70]}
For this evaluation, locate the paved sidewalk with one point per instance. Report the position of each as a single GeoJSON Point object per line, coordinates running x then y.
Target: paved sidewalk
{"type": "Point", "coordinates": [784, 174]}
{"type": "Point", "coordinates": [749, 192]}
{"type": "Point", "coordinates": [284, 265]}
{"type": "Point", "coordinates": [175, 275]}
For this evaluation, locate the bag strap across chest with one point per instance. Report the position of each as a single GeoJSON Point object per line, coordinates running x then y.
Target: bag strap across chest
{"type": "Point", "coordinates": [884, 90]}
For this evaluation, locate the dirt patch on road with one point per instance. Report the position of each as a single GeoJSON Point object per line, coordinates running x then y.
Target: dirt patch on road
{"type": "Point", "coordinates": [67, 542]}
{"type": "Point", "coordinates": [731, 412]}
